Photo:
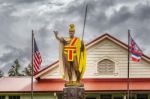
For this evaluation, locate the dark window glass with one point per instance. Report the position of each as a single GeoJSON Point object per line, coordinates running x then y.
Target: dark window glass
{"type": "Point", "coordinates": [118, 97]}
{"type": "Point", "coordinates": [131, 97]}
{"type": "Point", "coordinates": [2, 97]}
{"type": "Point", "coordinates": [142, 96]}
{"type": "Point", "coordinates": [106, 96]}
{"type": "Point", "coordinates": [14, 97]}
{"type": "Point", "coordinates": [91, 98]}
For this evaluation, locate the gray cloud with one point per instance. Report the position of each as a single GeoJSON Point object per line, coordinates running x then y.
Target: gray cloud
{"type": "Point", "coordinates": [21, 1]}
{"type": "Point", "coordinates": [12, 53]}
{"type": "Point", "coordinates": [120, 17]}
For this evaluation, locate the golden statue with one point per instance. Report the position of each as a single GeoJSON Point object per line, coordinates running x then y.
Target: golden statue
{"type": "Point", "coordinates": [72, 57]}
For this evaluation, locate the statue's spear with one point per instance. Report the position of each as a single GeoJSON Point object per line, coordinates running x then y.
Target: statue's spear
{"type": "Point", "coordinates": [84, 21]}
{"type": "Point", "coordinates": [83, 29]}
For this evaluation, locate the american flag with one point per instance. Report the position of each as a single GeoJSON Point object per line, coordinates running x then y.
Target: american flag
{"type": "Point", "coordinates": [37, 60]}
{"type": "Point", "coordinates": [136, 52]}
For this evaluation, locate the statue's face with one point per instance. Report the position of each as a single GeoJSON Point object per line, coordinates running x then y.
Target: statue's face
{"type": "Point", "coordinates": [71, 34]}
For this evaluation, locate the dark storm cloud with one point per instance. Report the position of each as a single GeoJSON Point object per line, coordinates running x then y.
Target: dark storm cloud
{"type": "Point", "coordinates": [21, 1]}
{"type": "Point", "coordinates": [137, 20]}
{"type": "Point", "coordinates": [142, 12]}
{"type": "Point", "coordinates": [54, 2]}
{"type": "Point", "coordinates": [7, 59]}
{"type": "Point", "coordinates": [14, 53]}
{"type": "Point", "coordinates": [120, 17]}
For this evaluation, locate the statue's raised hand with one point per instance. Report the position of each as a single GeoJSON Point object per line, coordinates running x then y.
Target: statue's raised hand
{"type": "Point", "coordinates": [56, 33]}
{"type": "Point", "coordinates": [57, 37]}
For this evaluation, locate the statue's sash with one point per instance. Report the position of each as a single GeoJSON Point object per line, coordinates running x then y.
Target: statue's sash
{"type": "Point", "coordinates": [71, 49]}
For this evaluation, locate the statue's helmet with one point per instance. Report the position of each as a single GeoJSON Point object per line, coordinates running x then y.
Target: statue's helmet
{"type": "Point", "coordinates": [72, 28]}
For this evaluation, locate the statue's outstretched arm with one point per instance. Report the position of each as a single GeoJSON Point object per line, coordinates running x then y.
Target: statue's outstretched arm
{"type": "Point", "coordinates": [58, 38]}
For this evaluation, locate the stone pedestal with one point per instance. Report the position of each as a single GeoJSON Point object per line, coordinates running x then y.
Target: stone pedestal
{"type": "Point", "coordinates": [73, 92]}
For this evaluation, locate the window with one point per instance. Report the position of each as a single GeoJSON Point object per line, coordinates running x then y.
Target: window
{"type": "Point", "coordinates": [14, 97]}
{"type": "Point", "coordinates": [91, 98]}
{"type": "Point", "coordinates": [106, 66]}
{"type": "Point", "coordinates": [2, 97]}
{"type": "Point", "coordinates": [106, 96]}
{"type": "Point", "coordinates": [118, 97]}
{"type": "Point", "coordinates": [142, 96]}
{"type": "Point", "coordinates": [131, 97]}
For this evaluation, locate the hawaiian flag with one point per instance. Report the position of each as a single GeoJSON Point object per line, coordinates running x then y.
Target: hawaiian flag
{"type": "Point", "coordinates": [136, 52]}
{"type": "Point", "coordinates": [37, 60]}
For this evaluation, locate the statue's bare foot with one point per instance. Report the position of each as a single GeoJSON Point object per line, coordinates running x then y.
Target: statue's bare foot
{"type": "Point", "coordinates": [70, 83]}
{"type": "Point", "coordinates": [79, 84]}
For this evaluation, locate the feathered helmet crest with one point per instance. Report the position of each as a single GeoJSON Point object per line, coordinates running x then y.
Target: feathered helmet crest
{"type": "Point", "coordinates": [72, 28]}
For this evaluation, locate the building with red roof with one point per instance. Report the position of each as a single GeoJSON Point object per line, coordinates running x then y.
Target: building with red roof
{"type": "Point", "coordinates": [105, 76]}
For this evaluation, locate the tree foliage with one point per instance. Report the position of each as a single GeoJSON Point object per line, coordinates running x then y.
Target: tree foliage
{"type": "Point", "coordinates": [1, 73]}
{"type": "Point", "coordinates": [14, 70]}
{"type": "Point", "coordinates": [28, 70]}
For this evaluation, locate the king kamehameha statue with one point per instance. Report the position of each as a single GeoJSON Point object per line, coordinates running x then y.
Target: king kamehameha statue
{"type": "Point", "coordinates": [72, 57]}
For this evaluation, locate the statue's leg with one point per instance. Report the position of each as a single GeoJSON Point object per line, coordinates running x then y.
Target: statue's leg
{"type": "Point", "coordinates": [69, 72]}
{"type": "Point", "coordinates": [67, 65]}
{"type": "Point", "coordinates": [76, 68]}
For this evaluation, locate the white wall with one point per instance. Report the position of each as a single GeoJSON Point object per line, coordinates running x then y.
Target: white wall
{"type": "Point", "coordinates": [110, 50]}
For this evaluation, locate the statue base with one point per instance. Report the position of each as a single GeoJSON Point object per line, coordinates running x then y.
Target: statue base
{"type": "Point", "coordinates": [73, 92]}
{"type": "Point", "coordinates": [73, 83]}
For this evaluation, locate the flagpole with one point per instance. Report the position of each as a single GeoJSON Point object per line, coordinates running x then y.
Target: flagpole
{"type": "Point", "coordinates": [128, 81]}
{"type": "Point", "coordinates": [32, 66]}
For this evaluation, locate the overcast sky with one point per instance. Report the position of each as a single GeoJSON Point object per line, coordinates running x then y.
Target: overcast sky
{"type": "Point", "coordinates": [19, 17]}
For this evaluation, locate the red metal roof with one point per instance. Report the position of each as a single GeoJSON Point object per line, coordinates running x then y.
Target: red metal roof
{"type": "Point", "coordinates": [23, 84]}
{"type": "Point", "coordinates": [13, 83]}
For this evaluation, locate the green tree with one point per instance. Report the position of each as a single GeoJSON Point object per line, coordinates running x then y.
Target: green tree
{"type": "Point", "coordinates": [14, 70]}
{"type": "Point", "coordinates": [1, 73]}
{"type": "Point", "coordinates": [28, 70]}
